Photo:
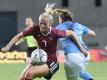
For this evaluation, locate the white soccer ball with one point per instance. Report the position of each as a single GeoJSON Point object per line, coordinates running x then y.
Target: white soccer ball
{"type": "Point", "coordinates": [38, 56]}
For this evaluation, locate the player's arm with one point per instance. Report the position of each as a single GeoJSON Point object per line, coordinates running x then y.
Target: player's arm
{"type": "Point", "coordinates": [91, 33]}
{"type": "Point", "coordinates": [88, 32]}
{"type": "Point", "coordinates": [71, 34]}
{"type": "Point", "coordinates": [20, 41]}
{"type": "Point", "coordinates": [12, 42]}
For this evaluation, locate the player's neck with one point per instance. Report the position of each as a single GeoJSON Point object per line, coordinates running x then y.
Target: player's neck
{"type": "Point", "coordinates": [46, 32]}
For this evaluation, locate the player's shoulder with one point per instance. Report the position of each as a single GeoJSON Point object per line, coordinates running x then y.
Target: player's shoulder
{"type": "Point", "coordinates": [59, 25]}
{"type": "Point", "coordinates": [67, 23]}
{"type": "Point", "coordinates": [64, 24]}
{"type": "Point", "coordinates": [36, 27]}
{"type": "Point", "coordinates": [56, 30]}
{"type": "Point", "coordinates": [77, 23]}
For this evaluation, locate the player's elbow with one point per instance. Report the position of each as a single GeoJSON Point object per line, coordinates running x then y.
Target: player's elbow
{"type": "Point", "coordinates": [69, 33]}
{"type": "Point", "coordinates": [93, 34]}
{"type": "Point", "coordinates": [19, 36]}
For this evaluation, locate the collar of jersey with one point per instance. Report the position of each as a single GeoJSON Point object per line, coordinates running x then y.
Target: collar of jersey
{"type": "Point", "coordinates": [48, 32]}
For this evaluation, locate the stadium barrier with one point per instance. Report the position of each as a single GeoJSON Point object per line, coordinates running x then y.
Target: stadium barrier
{"type": "Point", "coordinates": [97, 55]}
{"type": "Point", "coordinates": [13, 57]}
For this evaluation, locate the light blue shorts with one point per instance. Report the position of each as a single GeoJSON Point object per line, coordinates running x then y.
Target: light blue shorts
{"type": "Point", "coordinates": [74, 63]}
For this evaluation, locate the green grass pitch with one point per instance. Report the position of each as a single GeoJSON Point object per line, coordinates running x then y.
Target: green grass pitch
{"type": "Point", "coordinates": [12, 71]}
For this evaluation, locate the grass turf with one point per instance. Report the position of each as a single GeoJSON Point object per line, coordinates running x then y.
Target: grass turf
{"type": "Point", "coordinates": [12, 71]}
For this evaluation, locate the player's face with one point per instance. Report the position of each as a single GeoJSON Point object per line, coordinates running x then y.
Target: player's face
{"type": "Point", "coordinates": [44, 24]}
{"type": "Point", "coordinates": [29, 22]}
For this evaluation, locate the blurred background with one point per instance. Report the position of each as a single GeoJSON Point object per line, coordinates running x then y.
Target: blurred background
{"type": "Point", "coordinates": [91, 13]}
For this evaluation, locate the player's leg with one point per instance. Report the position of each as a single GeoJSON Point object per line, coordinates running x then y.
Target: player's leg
{"type": "Point", "coordinates": [87, 59]}
{"type": "Point", "coordinates": [85, 75]}
{"type": "Point", "coordinates": [75, 63]}
{"type": "Point", "coordinates": [22, 75]}
{"type": "Point", "coordinates": [46, 70]}
{"type": "Point", "coordinates": [28, 60]}
{"type": "Point", "coordinates": [37, 71]}
{"type": "Point", "coordinates": [70, 74]}
{"type": "Point", "coordinates": [53, 67]}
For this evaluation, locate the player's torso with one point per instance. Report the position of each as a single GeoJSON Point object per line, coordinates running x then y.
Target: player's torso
{"type": "Point", "coordinates": [67, 43]}
{"type": "Point", "coordinates": [47, 43]}
{"type": "Point", "coordinates": [79, 30]}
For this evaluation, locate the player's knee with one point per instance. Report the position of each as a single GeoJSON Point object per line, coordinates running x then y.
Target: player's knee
{"type": "Point", "coordinates": [21, 78]}
{"type": "Point", "coordinates": [29, 75]}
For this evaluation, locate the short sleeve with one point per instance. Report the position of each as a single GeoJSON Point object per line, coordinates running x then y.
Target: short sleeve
{"type": "Point", "coordinates": [28, 31]}
{"type": "Point", "coordinates": [60, 33]}
{"type": "Point", "coordinates": [85, 30]}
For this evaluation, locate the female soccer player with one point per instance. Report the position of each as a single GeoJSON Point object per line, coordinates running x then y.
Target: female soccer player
{"type": "Point", "coordinates": [46, 37]}
{"type": "Point", "coordinates": [65, 20]}
{"type": "Point", "coordinates": [31, 42]}
{"type": "Point", "coordinates": [74, 64]}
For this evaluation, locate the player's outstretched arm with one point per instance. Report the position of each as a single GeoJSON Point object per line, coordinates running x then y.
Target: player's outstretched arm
{"type": "Point", "coordinates": [71, 34]}
{"type": "Point", "coordinates": [12, 42]}
{"type": "Point", "coordinates": [91, 33]}
{"type": "Point", "coordinates": [20, 41]}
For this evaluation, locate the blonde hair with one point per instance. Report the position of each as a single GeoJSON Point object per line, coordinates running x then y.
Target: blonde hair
{"type": "Point", "coordinates": [49, 9]}
{"type": "Point", "coordinates": [46, 15]}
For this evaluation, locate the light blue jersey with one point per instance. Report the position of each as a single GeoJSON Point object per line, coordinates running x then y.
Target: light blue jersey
{"type": "Point", "coordinates": [70, 47]}
{"type": "Point", "coordinates": [81, 31]}
{"type": "Point", "coordinates": [68, 44]}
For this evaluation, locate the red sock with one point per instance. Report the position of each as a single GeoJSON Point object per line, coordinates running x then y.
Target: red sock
{"type": "Point", "coordinates": [27, 79]}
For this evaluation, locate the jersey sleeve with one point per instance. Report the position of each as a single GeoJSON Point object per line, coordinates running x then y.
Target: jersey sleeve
{"type": "Point", "coordinates": [85, 30]}
{"type": "Point", "coordinates": [28, 31]}
{"type": "Point", "coordinates": [60, 33]}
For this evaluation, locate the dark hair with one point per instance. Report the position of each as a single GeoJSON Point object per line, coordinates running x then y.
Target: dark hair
{"type": "Point", "coordinates": [65, 16]}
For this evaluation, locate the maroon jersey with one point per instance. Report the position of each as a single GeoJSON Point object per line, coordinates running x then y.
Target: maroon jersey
{"type": "Point", "coordinates": [46, 42]}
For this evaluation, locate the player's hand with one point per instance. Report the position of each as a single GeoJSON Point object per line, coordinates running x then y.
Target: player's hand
{"type": "Point", "coordinates": [85, 52]}
{"type": "Point", "coordinates": [5, 49]}
{"type": "Point", "coordinates": [16, 43]}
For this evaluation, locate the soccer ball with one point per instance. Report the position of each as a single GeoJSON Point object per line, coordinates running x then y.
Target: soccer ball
{"type": "Point", "coordinates": [38, 57]}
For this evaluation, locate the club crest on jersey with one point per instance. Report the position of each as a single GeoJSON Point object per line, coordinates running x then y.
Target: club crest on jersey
{"type": "Point", "coordinates": [50, 38]}
{"type": "Point", "coordinates": [38, 35]}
